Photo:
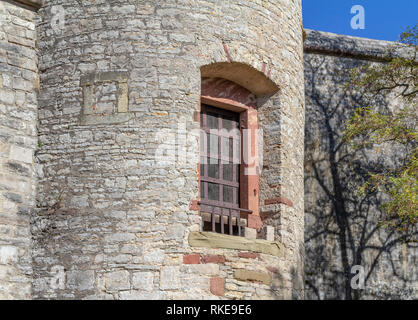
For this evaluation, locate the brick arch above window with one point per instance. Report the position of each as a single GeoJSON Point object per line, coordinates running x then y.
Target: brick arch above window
{"type": "Point", "coordinates": [255, 81]}
{"type": "Point", "coordinates": [227, 92]}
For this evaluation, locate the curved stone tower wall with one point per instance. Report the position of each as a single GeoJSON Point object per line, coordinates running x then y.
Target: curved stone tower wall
{"type": "Point", "coordinates": [114, 218]}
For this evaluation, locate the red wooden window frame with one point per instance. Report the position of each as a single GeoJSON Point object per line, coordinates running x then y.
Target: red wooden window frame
{"type": "Point", "coordinates": [226, 95]}
{"type": "Point", "coordinates": [223, 137]}
{"type": "Point", "coordinates": [218, 205]}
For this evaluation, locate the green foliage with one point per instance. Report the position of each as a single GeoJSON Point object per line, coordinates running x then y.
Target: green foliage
{"type": "Point", "coordinates": [410, 36]}
{"type": "Point", "coordinates": [370, 127]}
{"type": "Point", "coordinates": [377, 128]}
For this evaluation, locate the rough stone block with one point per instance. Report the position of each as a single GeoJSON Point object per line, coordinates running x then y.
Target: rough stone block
{"type": "Point", "coordinates": [215, 240]}
{"type": "Point", "coordinates": [8, 254]}
{"type": "Point", "coordinates": [105, 97]}
{"type": "Point", "coordinates": [21, 154]}
{"type": "Point", "coordinates": [248, 255]}
{"type": "Point", "coordinates": [249, 275]}
{"type": "Point", "coordinates": [191, 259]}
{"type": "Point", "coordinates": [80, 280]}
{"type": "Point", "coordinates": [270, 234]}
{"type": "Point", "coordinates": [217, 286]}
{"type": "Point", "coordinates": [143, 281]}
{"type": "Point", "coordinates": [267, 233]}
{"type": "Point", "coordinates": [250, 233]}
{"type": "Point", "coordinates": [6, 97]}
{"type": "Point", "coordinates": [169, 278]}
{"type": "Point", "coordinates": [117, 280]}
{"type": "Point", "coordinates": [154, 256]}
{"type": "Point", "coordinates": [213, 259]}
{"type": "Point", "coordinates": [175, 232]}
{"type": "Point", "coordinates": [79, 202]}
{"type": "Point", "coordinates": [203, 269]}
{"type": "Point", "coordinates": [278, 200]}
{"type": "Point", "coordinates": [139, 295]}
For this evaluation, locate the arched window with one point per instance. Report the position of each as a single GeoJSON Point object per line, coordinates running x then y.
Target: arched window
{"type": "Point", "coordinates": [229, 148]}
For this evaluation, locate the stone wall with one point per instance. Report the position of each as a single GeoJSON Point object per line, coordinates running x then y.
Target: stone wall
{"type": "Point", "coordinates": [19, 84]}
{"type": "Point", "coordinates": [120, 84]}
{"type": "Point", "coordinates": [114, 213]}
{"type": "Point", "coordinates": [333, 174]}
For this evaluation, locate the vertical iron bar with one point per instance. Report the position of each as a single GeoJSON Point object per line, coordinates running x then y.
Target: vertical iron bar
{"type": "Point", "coordinates": [220, 166]}
{"type": "Point", "coordinates": [222, 222]}
{"type": "Point", "coordinates": [239, 223]}
{"type": "Point", "coordinates": [230, 222]}
{"type": "Point", "coordinates": [213, 219]}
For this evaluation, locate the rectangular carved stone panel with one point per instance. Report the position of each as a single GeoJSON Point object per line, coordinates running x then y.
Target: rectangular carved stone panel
{"type": "Point", "coordinates": [105, 98]}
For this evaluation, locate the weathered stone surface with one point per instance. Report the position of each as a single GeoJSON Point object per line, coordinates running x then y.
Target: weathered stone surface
{"type": "Point", "coordinates": [393, 275]}
{"type": "Point", "coordinates": [140, 295]}
{"type": "Point", "coordinates": [80, 280]}
{"type": "Point", "coordinates": [191, 259]}
{"type": "Point", "coordinates": [249, 275]}
{"type": "Point", "coordinates": [267, 233]}
{"type": "Point", "coordinates": [169, 278]}
{"type": "Point", "coordinates": [21, 154]}
{"type": "Point", "coordinates": [111, 198]}
{"type": "Point", "coordinates": [118, 83]}
{"type": "Point", "coordinates": [359, 48]}
{"type": "Point", "coordinates": [33, 3]}
{"type": "Point", "coordinates": [117, 280]}
{"type": "Point", "coordinates": [214, 240]}
{"type": "Point", "coordinates": [217, 286]}
{"type": "Point", "coordinates": [8, 254]}
{"type": "Point", "coordinates": [248, 255]}
{"type": "Point", "coordinates": [19, 83]}
{"type": "Point", "coordinates": [250, 233]}
{"type": "Point", "coordinates": [143, 281]}
{"type": "Point", "coordinates": [213, 259]}
{"type": "Point", "coordinates": [202, 269]}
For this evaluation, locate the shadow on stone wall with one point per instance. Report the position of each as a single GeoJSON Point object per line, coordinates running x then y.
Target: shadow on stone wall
{"type": "Point", "coordinates": [341, 227]}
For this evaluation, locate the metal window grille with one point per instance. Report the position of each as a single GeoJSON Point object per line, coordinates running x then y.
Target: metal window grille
{"type": "Point", "coordinates": [220, 158]}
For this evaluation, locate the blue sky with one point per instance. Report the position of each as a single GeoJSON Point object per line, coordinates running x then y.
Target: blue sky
{"type": "Point", "coordinates": [384, 19]}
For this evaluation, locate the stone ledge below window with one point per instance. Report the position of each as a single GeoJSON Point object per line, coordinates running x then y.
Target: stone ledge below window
{"type": "Point", "coordinates": [106, 119]}
{"type": "Point", "coordinates": [32, 3]}
{"type": "Point", "coordinates": [217, 241]}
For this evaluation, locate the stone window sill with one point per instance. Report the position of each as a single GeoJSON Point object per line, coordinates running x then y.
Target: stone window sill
{"type": "Point", "coordinates": [32, 3]}
{"type": "Point", "coordinates": [217, 241]}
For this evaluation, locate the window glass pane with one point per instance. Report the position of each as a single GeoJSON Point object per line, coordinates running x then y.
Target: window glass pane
{"type": "Point", "coordinates": [202, 189]}
{"type": "Point", "coordinates": [227, 124]}
{"type": "Point", "coordinates": [226, 147]}
{"type": "Point", "coordinates": [227, 171]}
{"type": "Point", "coordinates": [202, 166]}
{"type": "Point", "coordinates": [237, 151]}
{"type": "Point", "coordinates": [213, 191]}
{"type": "Point", "coordinates": [228, 194]}
{"type": "Point", "coordinates": [212, 120]}
{"type": "Point", "coordinates": [202, 141]}
{"type": "Point", "coordinates": [213, 168]}
{"type": "Point", "coordinates": [213, 144]}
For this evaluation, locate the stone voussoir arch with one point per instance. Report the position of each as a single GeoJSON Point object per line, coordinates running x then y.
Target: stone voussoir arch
{"type": "Point", "coordinates": [238, 64]}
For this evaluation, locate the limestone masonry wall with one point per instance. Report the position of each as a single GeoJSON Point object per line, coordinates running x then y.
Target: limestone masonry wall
{"type": "Point", "coordinates": [19, 83]}
{"type": "Point", "coordinates": [390, 266]}
{"type": "Point", "coordinates": [114, 214]}
{"type": "Point", "coordinates": [99, 170]}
